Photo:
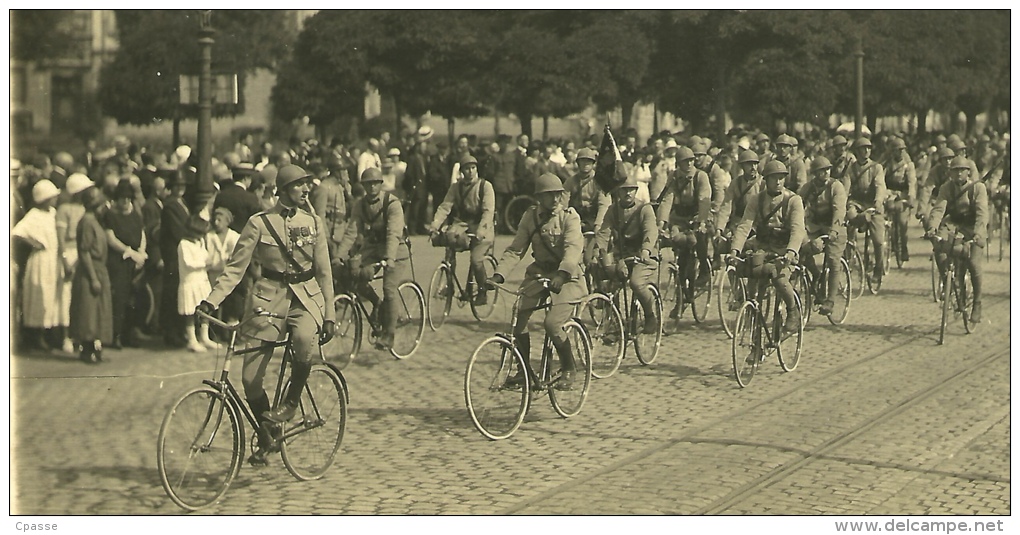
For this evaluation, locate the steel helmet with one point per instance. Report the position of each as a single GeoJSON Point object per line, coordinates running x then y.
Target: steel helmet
{"type": "Point", "coordinates": [78, 183]}
{"type": "Point", "coordinates": [747, 156]}
{"type": "Point", "coordinates": [958, 162]}
{"type": "Point", "coordinates": [548, 182]}
{"type": "Point", "coordinates": [699, 148]}
{"type": "Point", "coordinates": [945, 152]}
{"type": "Point", "coordinates": [957, 145]}
{"type": "Point", "coordinates": [288, 174]}
{"type": "Point", "coordinates": [371, 175]}
{"type": "Point", "coordinates": [587, 154]}
{"type": "Point", "coordinates": [684, 153]}
{"type": "Point", "coordinates": [940, 139]}
{"type": "Point", "coordinates": [897, 143]}
{"type": "Point", "coordinates": [862, 142]}
{"type": "Point", "coordinates": [819, 163]}
{"type": "Point", "coordinates": [762, 137]}
{"type": "Point", "coordinates": [775, 167]}
{"type": "Point", "coordinates": [468, 160]}
{"type": "Point", "coordinates": [784, 139]}
{"type": "Point", "coordinates": [631, 182]}
{"type": "Point", "coordinates": [839, 140]}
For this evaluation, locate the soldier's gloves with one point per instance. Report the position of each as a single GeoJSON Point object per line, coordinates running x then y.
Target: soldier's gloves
{"type": "Point", "coordinates": [492, 281]}
{"type": "Point", "coordinates": [328, 330]}
{"type": "Point", "coordinates": [646, 256]}
{"type": "Point", "coordinates": [207, 308]}
{"type": "Point", "coordinates": [557, 281]}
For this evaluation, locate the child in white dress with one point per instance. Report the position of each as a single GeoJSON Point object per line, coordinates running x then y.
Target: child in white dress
{"type": "Point", "coordinates": [193, 263]}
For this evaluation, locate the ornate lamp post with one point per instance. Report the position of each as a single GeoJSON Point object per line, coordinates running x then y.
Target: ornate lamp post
{"type": "Point", "coordinates": [859, 68]}
{"type": "Point", "coordinates": [205, 189]}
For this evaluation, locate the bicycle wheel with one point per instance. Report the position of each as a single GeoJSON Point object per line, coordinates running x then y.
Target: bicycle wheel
{"type": "Point", "coordinates": [803, 287]}
{"type": "Point", "coordinates": [496, 410]}
{"type": "Point", "coordinates": [844, 289]}
{"type": "Point", "coordinates": [515, 210]}
{"type": "Point", "coordinates": [646, 345]}
{"type": "Point", "coordinates": [730, 295]}
{"type": "Point", "coordinates": [667, 280]}
{"type": "Point", "coordinates": [893, 247]}
{"type": "Point", "coordinates": [936, 280]}
{"type": "Point", "coordinates": [602, 320]}
{"type": "Point", "coordinates": [483, 311]}
{"type": "Point", "coordinates": [199, 450]}
{"type": "Point", "coordinates": [440, 296]}
{"type": "Point", "coordinates": [701, 293]}
{"type": "Point", "coordinates": [789, 346]}
{"type": "Point", "coordinates": [746, 344]}
{"type": "Point", "coordinates": [568, 403]}
{"type": "Point", "coordinates": [856, 272]}
{"type": "Point", "coordinates": [965, 296]}
{"type": "Point", "coordinates": [869, 256]}
{"type": "Point", "coordinates": [410, 320]}
{"type": "Point", "coordinates": [948, 302]}
{"type": "Point", "coordinates": [145, 305]}
{"type": "Point", "coordinates": [346, 342]}
{"type": "Point", "coordinates": [311, 442]}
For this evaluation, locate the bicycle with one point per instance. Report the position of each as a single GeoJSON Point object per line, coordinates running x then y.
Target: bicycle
{"type": "Point", "coordinates": [867, 258]}
{"type": "Point", "coordinates": [809, 290]}
{"type": "Point", "coordinates": [754, 339]}
{"type": "Point", "coordinates": [515, 210]}
{"type": "Point", "coordinates": [498, 409]}
{"type": "Point", "coordinates": [202, 437]}
{"type": "Point", "coordinates": [604, 324]}
{"type": "Point", "coordinates": [957, 287]}
{"type": "Point", "coordinates": [441, 294]}
{"type": "Point", "coordinates": [646, 345]}
{"type": "Point", "coordinates": [731, 294]}
{"type": "Point", "coordinates": [893, 248]}
{"type": "Point", "coordinates": [351, 314]}
{"type": "Point", "coordinates": [689, 291]}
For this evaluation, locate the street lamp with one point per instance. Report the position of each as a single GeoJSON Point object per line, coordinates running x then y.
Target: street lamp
{"type": "Point", "coordinates": [205, 189]}
{"type": "Point", "coordinates": [859, 68]}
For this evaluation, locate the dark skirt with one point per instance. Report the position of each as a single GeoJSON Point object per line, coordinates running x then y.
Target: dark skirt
{"type": "Point", "coordinates": [91, 314]}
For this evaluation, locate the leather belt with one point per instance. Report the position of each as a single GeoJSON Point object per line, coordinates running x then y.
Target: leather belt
{"type": "Point", "coordinates": [289, 278]}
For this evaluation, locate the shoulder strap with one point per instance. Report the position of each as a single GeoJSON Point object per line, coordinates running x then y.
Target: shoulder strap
{"type": "Point", "coordinates": [279, 241]}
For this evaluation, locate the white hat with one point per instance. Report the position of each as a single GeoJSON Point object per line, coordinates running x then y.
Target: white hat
{"type": "Point", "coordinates": [393, 152]}
{"type": "Point", "coordinates": [425, 133]}
{"type": "Point", "coordinates": [43, 191]}
{"type": "Point", "coordinates": [744, 143]}
{"type": "Point", "coordinates": [183, 153]}
{"type": "Point", "coordinates": [78, 183]}
{"type": "Point", "coordinates": [671, 143]}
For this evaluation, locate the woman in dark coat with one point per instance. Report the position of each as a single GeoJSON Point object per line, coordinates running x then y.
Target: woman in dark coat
{"type": "Point", "coordinates": [91, 303]}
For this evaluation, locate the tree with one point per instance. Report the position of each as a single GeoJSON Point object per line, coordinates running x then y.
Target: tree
{"type": "Point", "coordinates": [39, 35]}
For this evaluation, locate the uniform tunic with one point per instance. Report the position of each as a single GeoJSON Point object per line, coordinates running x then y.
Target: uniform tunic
{"type": "Point", "coordinates": [40, 291]}
{"type": "Point", "coordinates": [587, 199]}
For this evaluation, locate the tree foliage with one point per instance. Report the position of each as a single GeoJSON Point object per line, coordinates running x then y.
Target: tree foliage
{"type": "Point", "coordinates": [38, 35]}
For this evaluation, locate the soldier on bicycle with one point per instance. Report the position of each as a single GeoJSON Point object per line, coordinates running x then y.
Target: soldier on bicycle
{"type": "Point", "coordinates": [468, 208]}
{"type": "Point", "coordinates": [961, 207]}
{"type": "Point", "coordinates": [777, 216]}
{"type": "Point", "coordinates": [630, 230]}
{"type": "Point", "coordinates": [586, 198]}
{"type": "Point", "coordinates": [824, 201]}
{"type": "Point", "coordinates": [553, 232]}
{"type": "Point", "coordinates": [864, 182]}
{"type": "Point", "coordinates": [685, 218]}
{"type": "Point", "coordinates": [289, 243]}
{"type": "Point", "coordinates": [746, 185]}
{"type": "Point", "coordinates": [901, 181]}
{"type": "Point", "coordinates": [377, 224]}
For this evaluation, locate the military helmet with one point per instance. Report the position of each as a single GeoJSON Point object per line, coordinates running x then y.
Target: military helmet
{"type": "Point", "coordinates": [468, 160]}
{"type": "Point", "coordinates": [631, 182]}
{"type": "Point", "coordinates": [371, 175]}
{"type": "Point", "coordinates": [897, 143]}
{"type": "Point", "coordinates": [699, 148]}
{"type": "Point", "coordinates": [747, 156]}
{"type": "Point", "coordinates": [819, 163]}
{"type": "Point", "coordinates": [684, 153]}
{"type": "Point", "coordinates": [288, 174]}
{"type": "Point", "coordinates": [945, 152]}
{"type": "Point", "coordinates": [862, 142]}
{"type": "Point", "coordinates": [775, 167]}
{"type": "Point", "coordinates": [587, 154]}
{"type": "Point", "coordinates": [959, 162]}
{"type": "Point", "coordinates": [957, 145]}
{"type": "Point", "coordinates": [784, 139]}
{"type": "Point", "coordinates": [839, 140]}
{"type": "Point", "coordinates": [762, 137]}
{"type": "Point", "coordinates": [548, 182]}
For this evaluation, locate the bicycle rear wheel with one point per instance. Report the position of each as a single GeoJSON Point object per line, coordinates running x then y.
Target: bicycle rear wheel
{"type": "Point", "coordinates": [869, 257]}
{"type": "Point", "coordinates": [729, 297]}
{"type": "Point", "coordinates": [646, 345]}
{"type": "Point", "coordinates": [602, 320]}
{"type": "Point", "coordinates": [803, 286]}
{"type": "Point", "coordinates": [440, 297]}
{"type": "Point", "coordinates": [346, 342]}
{"type": "Point", "coordinates": [667, 280]}
{"type": "Point", "coordinates": [789, 346]}
{"type": "Point", "coordinates": [965, 295]}
{"type": "Point", "coordinates": [844, 289]}
{"type": "Point", "coordinates": [496, 410]}
{"type": "Point", "coordinates": [568, 403]}
{"type": "Point", "coordinates": [856, 264]}
{"type": "Point", "coordinates": [936, 280]}
{"type": "Point", "coordinates": [410, 320]}
{"type": "Point", "coordinates": [483, 311]}
{"type": "Point", "coordinates": [948, 302]}
{"type": "Point", "coordinates": [515, 210]}
{"type": "Point", "coordinates": [745, 347]}
{"type": "Point", "coordinates": [701, 294]}
{"type": "Point", "coordinates": [199, 450]}
{"type": "Point", "coordinates": [311, 442]}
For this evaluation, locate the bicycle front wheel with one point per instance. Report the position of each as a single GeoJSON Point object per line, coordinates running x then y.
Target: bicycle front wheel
{"type": "Point", "coordinates": [936, 280]}
{"type": "Point", "coordinates": [568, 402]}
{"type": "Point", "coordinates": [803, 286]}
{"type": "Point", "coordinates": [482, 310]}
{"type": "Point", "coordinates": [948, 302]}
{"type": "Point", "coordinates": [496, 409]}
{"type": "Point", "coordinates": [646, 344]}
{"type": "Point", "coordinates": [746, 344]}
{"type": "Point", "coordinates": [965, 295]}
{"type": "Point", "coordinates": [602, 320]}
{"type": "Point", "coordinates": [410, 320]}
{"type": "Point", "coordinates": [844, 289]}
{"type": "Point", "coordinates": [312, 440]}
{"type": "Point", "coordinates": [870, 256]}
{"type": "Point", "coordinates": [199, 450]}
{"type": "Point", "coordinates": [856, 272]}
{"type": "Point", "coordinates": [789, 345]}
{"type": "Point", "coordinates": [515, 210]}
{"type": "Point", "coordinates": [344, 345]}
{"type": "Point", "coordinates": [701, 292]}
{"type": "Point", "coordinates": [730, 295]}
{"type": "Point", "coordinates": [440, 297]}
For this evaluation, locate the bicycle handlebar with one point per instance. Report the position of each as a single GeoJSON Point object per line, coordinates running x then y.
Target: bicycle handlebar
{"type": "Point", "coordinates": [543, 282]}
{"type": "Point", "coordinates": [259, 312]}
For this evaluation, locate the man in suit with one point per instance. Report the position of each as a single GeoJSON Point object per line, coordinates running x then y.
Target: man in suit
{"type": "Point", "coordinates": [173, 226]}
{"type": "Point", "coordinates": [237, 198]}
{"type": "Point", "coordinates": [289, 244]}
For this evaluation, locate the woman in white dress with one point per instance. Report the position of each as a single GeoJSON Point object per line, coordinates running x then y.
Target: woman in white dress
{"type": "Point", "coordinates": [40, 287]}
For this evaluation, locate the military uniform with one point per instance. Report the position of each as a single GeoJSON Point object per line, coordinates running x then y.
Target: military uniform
{"type": "Point", "coordinates": [685, 206]}
{"type": "Point", "coordinates": [901, 183]}
{"type": "Point", "coordinates": [962, 209]}
{"type": "Point", "coordinates": [735, 200]}
{"type": "Point", "coordinates": [798, 175]}
{"type": "Point", "coordinates": [824, 214]}
{"type": "Point", "coordinates": [471, 207]}
{"type": "Point", "coordinates": [628, 232]}
{"type": "Point", "coordinates": [865, 186]}
{"type": "Point", "coordinates": [330, 202]}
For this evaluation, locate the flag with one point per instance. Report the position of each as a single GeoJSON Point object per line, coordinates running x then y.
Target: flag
{"type": "Point", "coordinates": [609, 171]}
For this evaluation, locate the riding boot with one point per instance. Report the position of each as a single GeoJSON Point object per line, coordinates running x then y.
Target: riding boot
{"type": "Point", "coordinates": [298, 377]}
{"type": "Point", "coordinates": [523, 343]}
{"type": "Point", "coordinates": [567, 365]}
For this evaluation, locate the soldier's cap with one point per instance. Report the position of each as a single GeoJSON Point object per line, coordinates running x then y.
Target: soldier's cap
{"type": "Point", "coordinates": [775, 168]}
{"type": "Point", "coordinates": [862, 142]}
{"type": "Point", "coordinates": [699, 148]}
{"type": "Point", "coordinates": [838, 140]}
{"type": "Point", "coordinates": [897, 143]}
{"type": "Point", "coordinates": [945, 152]}
{"type": "Point", "coordinates": [587, 154]}
{"type": "Point", "coordinates": [371, 175]}
{"type": "Point", "coordinates": [820, 163]}
{"type": "Point", "coordinates": [959, 162]}
{"type": "Point", "coordinates": [548, 182]}
{"type": "Point", "coordinates": [289, 174]}
{"type": "Point", "coordinates": [468, 160]}
{"type": "Point", "coordinates": [747, 156]}
{"type": "Point", "coordinates": [762, 137]}
{"type": "Point", "coordinates": [684, 153]}
{"type": "Point", "coordinates": [784, 139]}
